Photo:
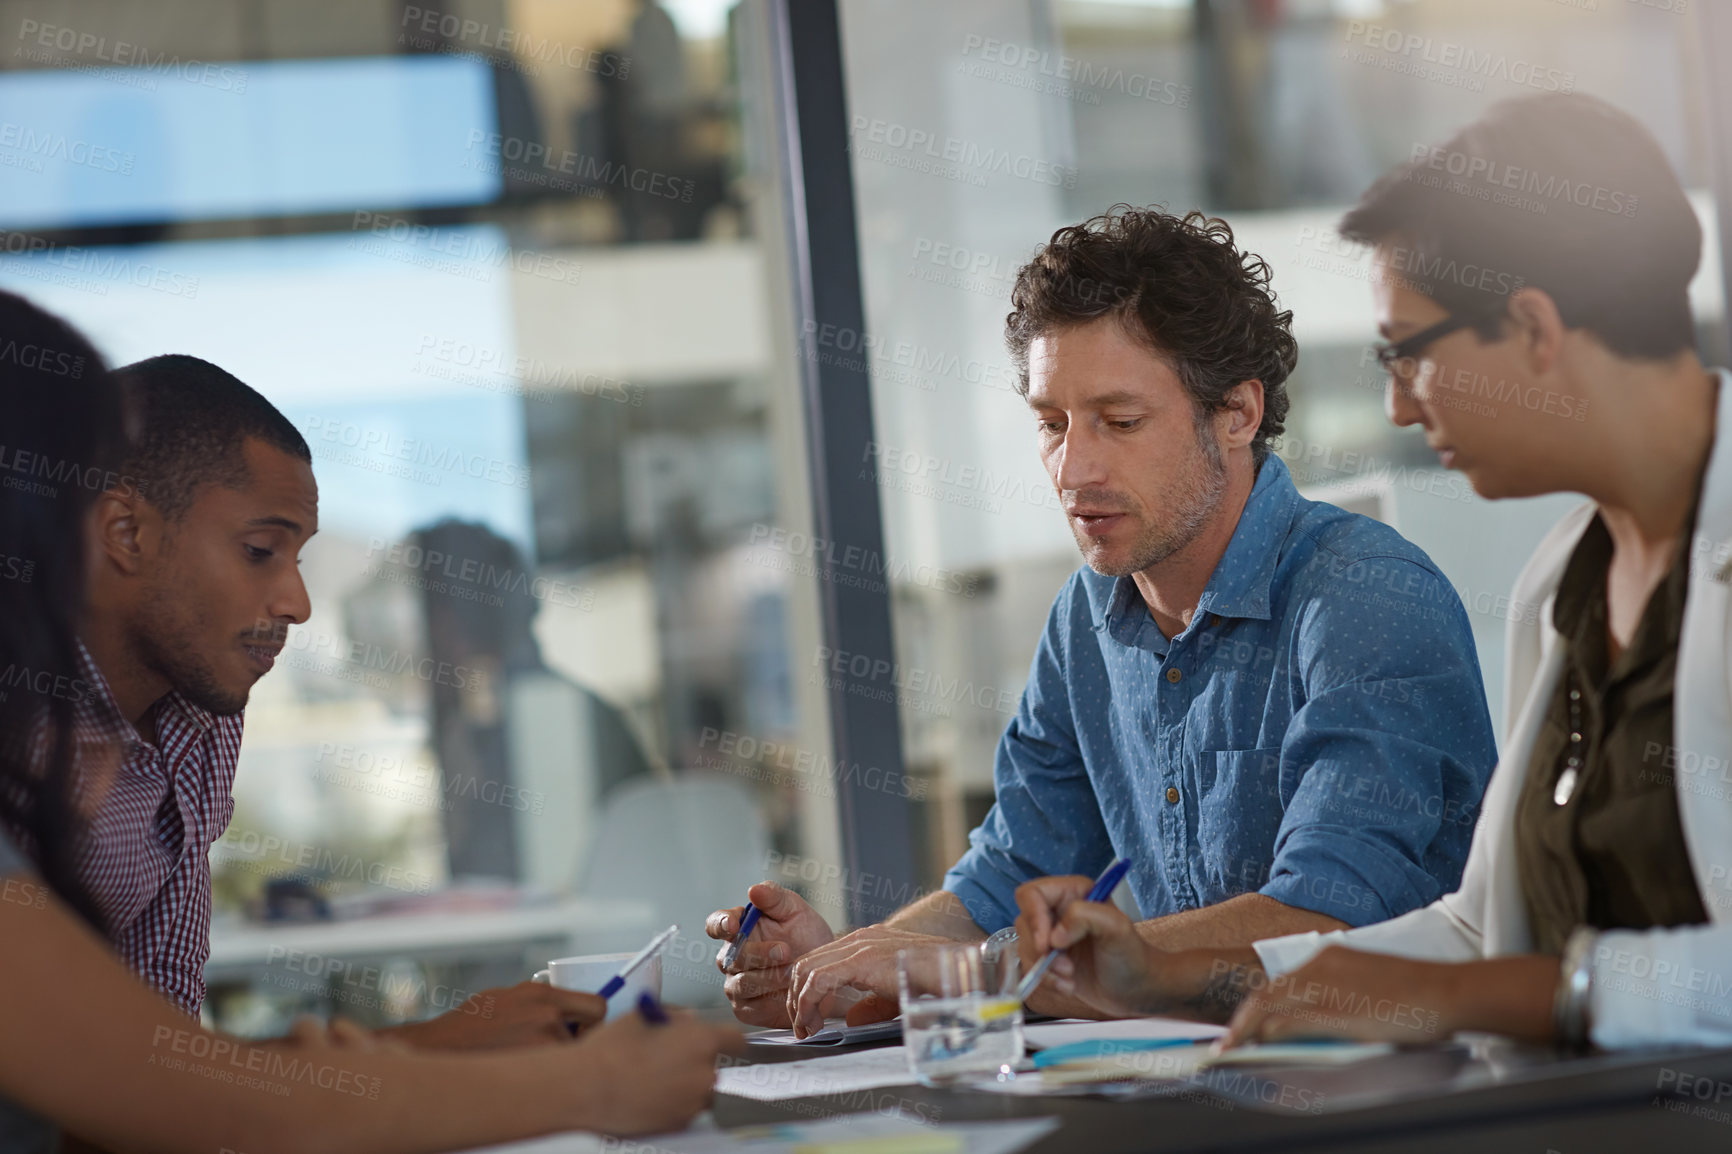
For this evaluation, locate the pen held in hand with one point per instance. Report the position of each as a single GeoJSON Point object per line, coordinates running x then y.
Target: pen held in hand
{"type": "Point", "coordinates": [748, 922]}
{"type": "Point", "coordinates": [1101, 891]}
{"type": "Point", "coordinates": [651, 1010]}
{"type": "Point", "coordinates": [617, 982]}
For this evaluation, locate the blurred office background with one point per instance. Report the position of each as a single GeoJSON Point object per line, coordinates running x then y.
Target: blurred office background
{"type": "Point", "coordinates": [1273, 114]}
{"type": "Point", "coordinates": [528, 276]}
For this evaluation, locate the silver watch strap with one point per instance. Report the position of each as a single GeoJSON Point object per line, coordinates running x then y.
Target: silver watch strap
{"type": "Point", "coordinates": [1571, 1009]}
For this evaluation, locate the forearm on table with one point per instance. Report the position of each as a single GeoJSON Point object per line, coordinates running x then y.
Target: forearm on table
{"type": "Point", "coordinates": [940, 914]}
{"type": "Point", "coordinates": [336, 1099]}
{"type": "Point", "coordinates": [407, 1033]}
{"type": "Point", "coordinates": [426, 1102]}
{"type": "Point", "coordinates": [92, 1048]}
{"type": "Point", "coordinates": [1203, 985]}
{"type": "Point", "coordinates": [1511, 996]}
{"type": "Point", "coordinates": [1234, 923]}
{"type": "Point", "coordinates": [453, 1030]}
{"type": "Point", "coordinates": [1201, 961]}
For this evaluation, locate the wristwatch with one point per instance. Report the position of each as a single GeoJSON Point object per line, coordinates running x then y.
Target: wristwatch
{"type": "Point", "coordinates": [999, 942]}
{"type": "Point", "coordinates": [1572, 1011]}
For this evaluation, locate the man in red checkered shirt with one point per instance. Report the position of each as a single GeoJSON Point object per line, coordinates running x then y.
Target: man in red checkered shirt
{"type": "Point", "coordinates": [195, 581]}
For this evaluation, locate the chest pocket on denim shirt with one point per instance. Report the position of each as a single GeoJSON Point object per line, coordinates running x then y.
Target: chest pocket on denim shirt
{"type": "Point", "coordinates": [1239, 813]}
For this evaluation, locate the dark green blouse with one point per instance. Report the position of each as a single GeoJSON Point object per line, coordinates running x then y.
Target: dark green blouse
{"type": "Point", "coordinates": [1598, 839]}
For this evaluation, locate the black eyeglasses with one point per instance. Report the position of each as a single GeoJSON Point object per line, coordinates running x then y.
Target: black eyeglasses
{"type": "Point", "coordinates": [1409, 347]}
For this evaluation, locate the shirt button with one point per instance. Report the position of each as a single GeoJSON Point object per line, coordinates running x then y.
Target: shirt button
{"type": "Point", "coordinates": [1172, 795]}
{"type": "Point", "coordinates": [1173, 675]}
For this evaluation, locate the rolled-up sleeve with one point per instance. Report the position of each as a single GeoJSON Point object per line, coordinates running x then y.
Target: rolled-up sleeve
{"type": "Point", "coordinates": [1046, 819]}
{"type": "Point", "coordinates": [1385, 762]}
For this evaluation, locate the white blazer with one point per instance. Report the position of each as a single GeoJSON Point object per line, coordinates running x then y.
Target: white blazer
{"type": "Point", "coordinates": [1649, 986]}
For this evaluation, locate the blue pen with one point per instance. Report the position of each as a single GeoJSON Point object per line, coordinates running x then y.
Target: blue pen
{"type": "Point", "coordinates": [651, 1009]}
{"type": "Point", "coordinates": [747, 922]}
{"type": "Point", "coordinates": [1103, 889]}
{"type": "Point", "coordinates": [617, 982]}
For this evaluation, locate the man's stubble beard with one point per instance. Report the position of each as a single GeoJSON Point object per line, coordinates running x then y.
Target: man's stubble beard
{"type": "Point", "coordinates": [1192, 506]}
{"type": "Point", "coordinates": [163, 641]}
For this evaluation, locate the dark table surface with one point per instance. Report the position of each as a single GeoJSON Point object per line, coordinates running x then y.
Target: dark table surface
{"type": "Point", "coordinates": [1488, 1098]}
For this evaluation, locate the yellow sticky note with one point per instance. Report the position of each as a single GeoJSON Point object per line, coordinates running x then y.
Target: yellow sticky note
{"type": "Point", "coordinates": [930, 1142]}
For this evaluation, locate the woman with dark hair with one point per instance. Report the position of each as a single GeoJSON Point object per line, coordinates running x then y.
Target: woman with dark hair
{"type": "Point", "coordinates": [91, 1049]}
{"type": "Point", "coordinates": [63, 428]}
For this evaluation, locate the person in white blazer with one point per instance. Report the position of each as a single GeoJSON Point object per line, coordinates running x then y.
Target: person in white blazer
{"type": "Point", "coordinates": [1540, 351]}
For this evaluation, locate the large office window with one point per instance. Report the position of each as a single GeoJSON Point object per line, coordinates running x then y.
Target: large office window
{"type": "Point", "coordinates": [977, 128]}
{"type": "Point", "coordinates": [513, 270]}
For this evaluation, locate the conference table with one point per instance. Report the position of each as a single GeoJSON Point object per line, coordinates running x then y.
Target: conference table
{"type": "Point", "coordinates": [1485, 1095]}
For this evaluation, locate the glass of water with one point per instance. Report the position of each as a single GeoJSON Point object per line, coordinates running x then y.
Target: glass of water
{"type": "Point", "coordinates": [961, 1019]}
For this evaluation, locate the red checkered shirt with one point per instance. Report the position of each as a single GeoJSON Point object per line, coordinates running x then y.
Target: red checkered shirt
{"type": "Point", "coordinates": [146, 857]}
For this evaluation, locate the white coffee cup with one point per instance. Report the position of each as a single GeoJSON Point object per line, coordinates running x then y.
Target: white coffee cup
{"type": "Point", "coordinates": [591, 973]}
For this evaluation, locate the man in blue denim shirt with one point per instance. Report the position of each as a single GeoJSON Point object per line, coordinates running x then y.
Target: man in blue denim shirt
{"type": "Point", "coordinates": [1273, 707]}
{"type": "Point", "coordinates": [1317, 733]}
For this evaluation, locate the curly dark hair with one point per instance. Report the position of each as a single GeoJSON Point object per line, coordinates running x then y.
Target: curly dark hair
{"type": "Point", "coordinates": [1179, 284]}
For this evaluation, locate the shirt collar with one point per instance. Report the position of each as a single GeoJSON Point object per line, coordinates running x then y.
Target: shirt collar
{"type": "Point", "coordinates": [1124, 596]}
{"type": "Point", "coordinates": [1240, 584]}
{"type": "Point", "coordinates": [99, 713]}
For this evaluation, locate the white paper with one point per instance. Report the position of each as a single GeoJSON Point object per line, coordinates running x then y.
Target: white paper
{"type": "Point", "coordinates": [1047, 1034]}
{"type": "Point", "coordinates": [1301, 1054]}
{"type": "Point", "coordinates": [836, 1032]}
{"type": "Point", "coordinates": [1003, 1137]}
{"type": "Point", "coordinates": [978, 1137]}
{"type": "Point", "coordinates": [831, 1074]}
